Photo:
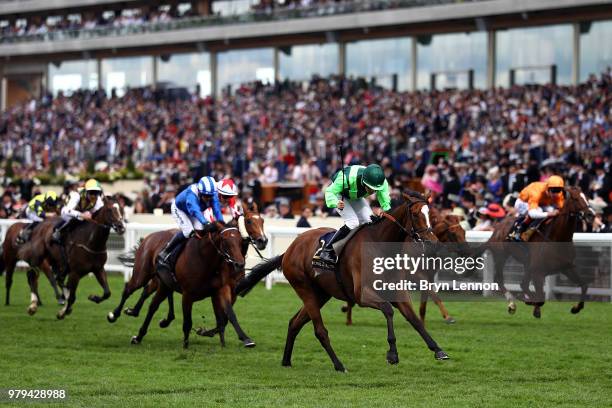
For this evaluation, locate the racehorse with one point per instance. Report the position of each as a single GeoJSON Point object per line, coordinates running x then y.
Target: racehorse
{"type": "Point", "coordinates": [408, 219]}
{"type": "Point", "coordinates": [199, 274]}
{"type": "Point", "coordinates": [83, 251]}
{"type": "Point", "coordinates": [448, 230]}
{"type": "Point", "coordinates": [8, 260]}
{"type": "Point", "coordinates": [255, 235]}
{"type": "Point", "coordinates": [540, 261]}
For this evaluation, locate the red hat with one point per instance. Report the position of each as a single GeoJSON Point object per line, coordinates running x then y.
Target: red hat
{"type": "Point", "coordinates": [495, 211]}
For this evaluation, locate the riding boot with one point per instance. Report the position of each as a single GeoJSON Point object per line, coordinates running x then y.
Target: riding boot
{"type": "Point", "coordinates": [517, 228]}
{"type": "Point", "coordinates": [61, 230]}
{"type": "Point", "coordinates": [327, 254]}
{"type": "Point", "coordinates": [167, 256]}
{"type": "Point", "coordinates": [26, 233]}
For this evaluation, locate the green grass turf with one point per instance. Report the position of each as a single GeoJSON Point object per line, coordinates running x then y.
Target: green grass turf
{"type": "Point", "coordinates": [496, 359]}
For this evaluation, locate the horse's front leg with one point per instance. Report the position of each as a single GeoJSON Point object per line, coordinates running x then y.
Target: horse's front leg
{"type": "Point", "coordinates": [387, 310]}
{"type": "Point", "coordinates": [70, 292]}
{"type": "Point", "coordinates": [102, 280]}
{"type": "Point", "coordinates": [225, 297]}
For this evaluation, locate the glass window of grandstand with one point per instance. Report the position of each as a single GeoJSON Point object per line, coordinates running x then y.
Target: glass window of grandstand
{"type": "Point", "coordinates": [363, 60]}
{"type": "Point", "coordinates": [190, 72]}
{"type": "Point", "coordinates": [69, 76]}
{"type": "Point", "coordinates": [233, 7]}
{"type": "Point", "coordinates": [241, 66]}
{"type": "Point", "coordinates": [121, 74]}
{"type": "Point", "coordinates": [452, 61]}
{"type": "Point", "coordinates": [595, 48]}
{"type": "Point", "coordinates": [302, 62]}
{"type": "Point", "coordinates": [537, 55]}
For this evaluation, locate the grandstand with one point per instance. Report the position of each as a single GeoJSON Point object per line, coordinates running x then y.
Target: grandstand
{"type": "Point", "coordinates": [491, 93]}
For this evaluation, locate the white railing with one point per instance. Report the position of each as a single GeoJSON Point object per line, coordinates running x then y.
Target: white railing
{"type": "Point", "coordinates": [281, 237]}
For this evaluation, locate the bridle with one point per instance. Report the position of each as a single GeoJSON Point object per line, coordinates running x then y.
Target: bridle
{"type": "Point", "coordinates": [250, 239]}
{"type": "Point", "coordinates": [221, 251]}
{"type": "Point", "coordinates": [415, 234]}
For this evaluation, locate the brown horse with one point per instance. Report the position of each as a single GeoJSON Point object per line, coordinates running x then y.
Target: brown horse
{"type": "Point", "coordinates": [199, 273]}
{"type": "Point", "coordinates": [448, 230]}
{"type": "Point", "coordinates": [8, 260]}
{"type": "Point", "coordinates": [255, 235]}
{"type": "Point", "coordinates": [84, 250]}
{"type": "Point", "coordinates": [540, 261]}
{"type": "Point", "coordinates": [407, 219]}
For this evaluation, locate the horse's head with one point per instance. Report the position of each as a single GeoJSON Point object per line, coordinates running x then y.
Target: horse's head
{"type": "Point", "coordinates": [448, 229]}
{"type": "Point", "coordinates": [110, 215]}
{"type": "Point", "coordinates": [254, 225]}
{"type": "Point", "coordinates": [576, 204]}
{"type": "Point", "coordinates": [227, 241]}
{"type": "Point", "coordinates": [417, 221]}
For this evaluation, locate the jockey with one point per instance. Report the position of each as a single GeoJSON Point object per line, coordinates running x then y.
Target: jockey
{"type": "Point", "coordinates": [347, 194]}
{"type": "Point", "coordinates": [228, 197]}
{"type": "Point", "coordinates": [188, 211]}
{"type": "Point", "coordinates": [537, 201]}
{"type": "Point", "coordinates": [39, 207]}
{"type": "Point", "coordinates": [80, 207]}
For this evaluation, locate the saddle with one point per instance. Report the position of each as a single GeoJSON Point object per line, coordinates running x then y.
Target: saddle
{"type": "Point", "coordinates": [318, 264]}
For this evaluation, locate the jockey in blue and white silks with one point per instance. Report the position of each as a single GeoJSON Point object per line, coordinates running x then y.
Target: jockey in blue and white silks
{"type": "Point", "coordinates": [188, 211]}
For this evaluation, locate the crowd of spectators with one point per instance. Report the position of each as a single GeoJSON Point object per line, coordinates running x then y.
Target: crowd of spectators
{"type": "Point", "coordinates": [474, 150]}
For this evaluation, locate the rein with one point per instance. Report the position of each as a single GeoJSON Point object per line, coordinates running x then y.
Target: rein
{"type": "Point", "coordinates": [414, 234]}
{"type": "Point", "coordinates": [219, 250]}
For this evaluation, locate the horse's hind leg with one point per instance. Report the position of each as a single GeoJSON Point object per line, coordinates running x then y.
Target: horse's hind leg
{"type": "Point", "coordinates": [406, 310]}
{"type": "Point", "coordinates": [146, 292]}
{"type": "Point", "coordinates": [103, 281]}
{"type": "Point", "coordinates": [32, 275]}
{"type": "Point", "coordinates": [445, 315]}
{"type": "Point", "coordinates": [165, 322]}
{"type": "Point", "coordinates": [348, 309]}
{"type": "Point", "coordinates": [295, 325]}
{"type": "Point", "coordinates": [128, 289]}
{"type": "Point", "coordinates": [160, 295]}
{"type": "Point", "coordinates": [577, 279]}
{"type": "Point", "coordinates": [313, 305]}
{"type": "Point", "coordinates": [46, 268]}
{"type": "Point", "coordinates": [499, 261]}
{"type": "Point", "coordinates": [225, 294]}
{"type": "Point", "coordinates": [8, 279]}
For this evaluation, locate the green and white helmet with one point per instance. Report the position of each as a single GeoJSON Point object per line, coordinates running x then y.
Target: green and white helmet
{"type": "Point", "coordinates": [374, 177]}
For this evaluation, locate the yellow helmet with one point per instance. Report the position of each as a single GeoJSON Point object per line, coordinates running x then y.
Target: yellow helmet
{"type": "Point", "coordinates": [51, 198]}
{"type": "Point", "coordinates": [555, 182]}
{"type": "Point", "coordinates": [93, 185]}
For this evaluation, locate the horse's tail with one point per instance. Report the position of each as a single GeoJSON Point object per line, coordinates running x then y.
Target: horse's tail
{"type": "Point", "coordinates": [258, 272]}
{"type": "Point", "coordinates": [128, 258]}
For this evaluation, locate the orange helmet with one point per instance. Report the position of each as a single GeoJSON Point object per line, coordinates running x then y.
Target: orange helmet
{"type": "Point", "coordinates": [555, 182]}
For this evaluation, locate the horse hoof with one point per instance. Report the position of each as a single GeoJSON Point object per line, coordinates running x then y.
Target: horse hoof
{"type": "Point", "coordinates": [440, 355]}
{"type": "Point", "coordinates": [61, 302]}
{"type": "Point", "coordinates": [32, 310]}
{"type": "Point", "coordinates": [111, 317]}
{"type": "Point", "coordinates": [135, 340]}
{"type": "Point", "coordinates": [130, 312]}
{"type": "Point", "coordinates": [286, 363]}
{"type": "Point", "coordinates": [185, 345]}
{"type": "Point", "coordinates": [163, 323]}
{"type": "Point", "coordinates": [512, 308]}
{"type": "Point", "coordinates": [94, 298]}
{"type": "Point", "coordinates": [577, 308]}
{"type": "Point", "coordinates": [392, 358]}
{"type": "Point", "coordinates": [450, 320]}
{"type": "Point", "coordinates": [537, 314]}
{"type": "Point", "coordinates": [248, 343]}
{"type": "Point", "coordinates": [341, 369]}
{"type": "Point", "coordinates": [60, 316]}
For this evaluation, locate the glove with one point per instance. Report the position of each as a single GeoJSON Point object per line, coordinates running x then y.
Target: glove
{"type": "Point", "coordinates": [375, 218]}
{"type": "Point", "coordinates": [210, 227]}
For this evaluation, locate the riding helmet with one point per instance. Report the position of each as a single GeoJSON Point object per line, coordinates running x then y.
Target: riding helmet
{"type": "Point", "coordinates": [374, 177]}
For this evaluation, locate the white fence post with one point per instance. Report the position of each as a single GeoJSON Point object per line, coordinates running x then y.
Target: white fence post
{"type": "Point", "coordinates": [270, 254]}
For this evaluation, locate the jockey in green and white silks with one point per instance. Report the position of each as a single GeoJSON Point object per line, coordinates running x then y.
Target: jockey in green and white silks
{"type": "Point", "coordinates": [347, 194]}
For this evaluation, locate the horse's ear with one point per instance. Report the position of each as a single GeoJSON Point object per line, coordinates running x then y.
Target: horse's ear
{"type": "Point", "coordinates": [254, 207]}
{"type": "Point", "coordinates": [406, 196]}
{"type": "Point", "coordinates": [428, 198]}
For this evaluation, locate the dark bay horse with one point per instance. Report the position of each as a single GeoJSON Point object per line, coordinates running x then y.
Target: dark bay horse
{"type": "Point", "coordinates": [541, 260]}
{"type": "Point", "coordinates": [199, 272]}
{"type": "Point", "coordinates": [254, 235]}
{"type": "Point", "coordinates": [410, 219]}
{"type": "Point", "coordinates": [84, 250]}
{"type": "Point", "coordinates": [8, 260]}
{"type": "Point", "coordinates": [448, 230]}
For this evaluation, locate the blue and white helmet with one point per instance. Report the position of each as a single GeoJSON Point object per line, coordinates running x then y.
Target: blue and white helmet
{"type": "Point", "coordinates": [207, 186]}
